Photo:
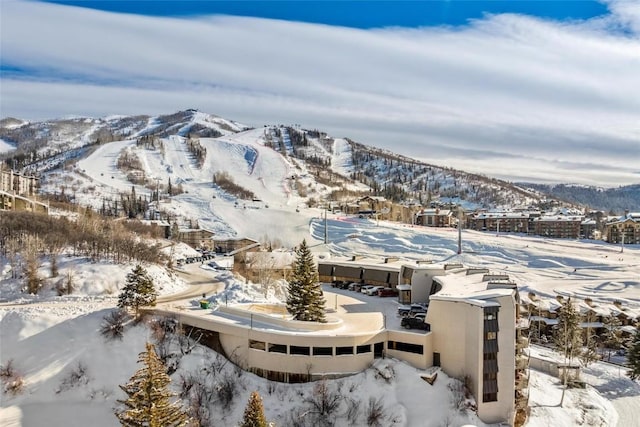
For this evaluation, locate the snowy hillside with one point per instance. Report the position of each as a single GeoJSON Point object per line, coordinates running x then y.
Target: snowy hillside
{"type": "Point", "coordinates": [49, 337]}
{"type": "Point", "coordinates": [196, 169]}
{"type": "Point", "coordinates": [349, 166]}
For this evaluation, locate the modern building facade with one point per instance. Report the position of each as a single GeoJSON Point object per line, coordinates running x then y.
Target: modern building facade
{"type": "Point", "coordinates": [18, 191]}
{"type": "Point", "coordinates": [472, 333]}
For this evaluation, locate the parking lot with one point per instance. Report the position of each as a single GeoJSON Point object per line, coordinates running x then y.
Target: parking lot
{"type": "Point", "coordinates": [344, 300]}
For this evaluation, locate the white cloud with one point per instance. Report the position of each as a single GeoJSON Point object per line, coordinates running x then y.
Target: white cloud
{"type": "Point", "coordinates": [509, 96]}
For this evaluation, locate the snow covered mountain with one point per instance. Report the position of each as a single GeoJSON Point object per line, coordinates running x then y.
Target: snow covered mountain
{"type": "Point", "coordinates": [260, 183]}
{"type": "Point", "coordinates": [344, 167]}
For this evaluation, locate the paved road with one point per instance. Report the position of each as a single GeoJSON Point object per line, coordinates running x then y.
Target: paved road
{"type": "Point", "coordinates": [200, 282]}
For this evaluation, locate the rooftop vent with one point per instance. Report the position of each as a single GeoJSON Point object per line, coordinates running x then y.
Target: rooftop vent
{"type": "Point", "coordinates": [477, 271]}
{"type": "Point", "coordinates": [492, 277]}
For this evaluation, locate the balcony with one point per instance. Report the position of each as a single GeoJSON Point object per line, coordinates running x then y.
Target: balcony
{"type": "Point", "coordinates": [522, 382]}
{"type": "Point", "coordinates": [522, 403]}
{"type": "Point", "coordinates": [522, 323]}
{"type": "Point", "coordinates": [522, 362]}
{"type": "Point", "coordinates": [522, 343]}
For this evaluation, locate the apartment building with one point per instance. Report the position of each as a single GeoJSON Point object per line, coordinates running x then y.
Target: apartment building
{"type": "Point", "coordinates": [474, 331]}
{"type": "Point", "coordinates": [558, 226]}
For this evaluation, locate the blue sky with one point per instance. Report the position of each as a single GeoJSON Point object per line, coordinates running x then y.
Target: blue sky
{"type": "Point", "coordinates": [358, 14]}
{"type": "Point", "coordinates": [540, 91]}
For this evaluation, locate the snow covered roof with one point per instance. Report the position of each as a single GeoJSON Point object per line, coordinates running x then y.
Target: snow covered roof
{"type": "Point", "coordinates": [271, 260]}
{"type": "Point", "coordinates": [472, 289]}
{"type": "Point", "coordinates": [392, 265]}
{"type": "Point", "coordinates": [501, 215]}
{"type": "Point", "coordinates": [559, 218]}
{"type": "Point", "coordinates": [431, 212]}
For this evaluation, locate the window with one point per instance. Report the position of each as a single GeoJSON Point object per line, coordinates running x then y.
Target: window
{"type": "Point", "coordinates": [301, 351]}
{"type": "Point", "coordinates": [403, 346]}
{"type": "Point", "coordinates": [257, 345]}
{"type": "Point", "coordinates": [490, 356]}
{"type": "Point", "coordinates": [491, 336]}
{"type": "Point", "coordinates": [363, 349]}
{"type": "Point", "coordinates": [341, 351]}
{"type": "Point", "coordinates": [323, 351]}
{"type": "Point", "coordinates": [490, 376]}
{"type": "Point", "coordinates": [277, 348]}
{"type": "Point", "coordinates": [490, 397]}
{"type": "Point", "coordinates": [490, 316]}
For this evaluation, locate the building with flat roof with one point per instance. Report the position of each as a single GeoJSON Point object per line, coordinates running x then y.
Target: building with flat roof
{"type": "Point", "coordinates": [477, 335]}
{"type": "Point", "coordinates": [472, 331]}
{"type": "Point", "coordinates": [18, 191]}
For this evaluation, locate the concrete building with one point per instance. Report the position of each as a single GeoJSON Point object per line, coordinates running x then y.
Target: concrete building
{"type": "Point", "coordinates": [18, 191]}
{"type": "Point", "coordinates": [504, 222]}
{"type": "Point", "coordinates": [435, 218]}
{"type": "Point", "coordinates": [476, 335]}
{"type": "Point", "coordinates": [196, 237]}
{"type": "Point", "coordinates": [558, 226]}
{"type": "Point", "coordinates": [473, 332]}
{"type": "Point", "coordinates": [627, 227]}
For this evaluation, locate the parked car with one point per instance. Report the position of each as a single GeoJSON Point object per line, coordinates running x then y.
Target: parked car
{"type": "Point", "coordinates": [411, 310]}
{"type": "Point", "coordinates": [387, 292]}
{"type": "Point", "coordinates": [365, 289]}
{"type": "Point", "coordinates": [373, 290]}
{"type": "Point", "coordinates": [354, 287]}
{"type": "Point", "coordinates": [343, 285]}
{"type": "Point", "coordinates": [415, 322]}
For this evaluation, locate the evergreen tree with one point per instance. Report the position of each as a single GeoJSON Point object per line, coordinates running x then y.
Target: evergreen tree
{"type": "Point", "coordinates": [254, 412]}
{"type": "Point", "coordinates": [590, 352]}
{"type": "Point", "coordinates": [567, 337]}
{"type": "Point", "coordinates": [138, 291]}
{"type": "Point", "coordinates": [633, 356]}
{"type": "Point", "coordinates": [305, 301]}
{"type": "Point", "coordinates": [149, 399]}
{"type": "Point", "coordinates": [612, 336]}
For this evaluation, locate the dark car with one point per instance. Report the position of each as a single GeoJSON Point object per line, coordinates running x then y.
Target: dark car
{"type": "Point", "coordinates": [411, 310]}
{"type": "Point", "coordinates": [416, 322]}
{"type": "Point", "coordinates": [387, 292]}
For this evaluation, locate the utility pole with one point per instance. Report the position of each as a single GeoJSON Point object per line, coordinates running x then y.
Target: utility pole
{"type": "Point", "coordinates": [326, 239]}
{"type": "Point", "coordinates": [497, 228]}
{"type": "Point", "coordinates": [459, 230]}
{"type": "Point", "coordinates": [622, 243]}
{"type": "Point", "coordinates": [157, 215]}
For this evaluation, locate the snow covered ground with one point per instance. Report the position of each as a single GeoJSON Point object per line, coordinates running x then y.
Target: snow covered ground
{"type": "Point", "coordinates": [47, 335]}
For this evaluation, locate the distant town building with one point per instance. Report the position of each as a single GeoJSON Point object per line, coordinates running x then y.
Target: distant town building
{"type": "Point", "coordinates": [18, 191]}
{"type": "Point", "coordinates": [196, 237]}
{"type": "Point", "coordinates": [558, 226]}
{"type": "Point", "coordinates": [627, 226]}
{"type": "Point", "coordinates": [435, 217]}
{"type": "Point", "coordinates": [505, 222]}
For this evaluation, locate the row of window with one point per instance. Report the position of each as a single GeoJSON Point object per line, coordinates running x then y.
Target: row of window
{"type": "Point", "coordinates": [490, 355]}
{"type": "Point", "coordinates": [329, 351]}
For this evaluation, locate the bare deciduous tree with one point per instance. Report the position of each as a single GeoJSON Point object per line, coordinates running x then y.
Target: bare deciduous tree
{"type": "Point", "coordinates": [31, 255]}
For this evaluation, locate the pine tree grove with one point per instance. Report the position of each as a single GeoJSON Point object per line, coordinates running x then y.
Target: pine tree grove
{"type": "Point", "coordinates": [138, 290]}
{"type": "Point", "coordinates": [148, 400]}
{"type": "Point", "coordinates": [254, 412]}
{"type": "Point", "coordinates": [305, 300]}
{"type": "Point", "coordinates": [633, 356]}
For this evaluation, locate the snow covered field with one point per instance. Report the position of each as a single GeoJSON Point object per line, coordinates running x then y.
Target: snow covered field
{"type": "Point", "coordinates": [47, 336]}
